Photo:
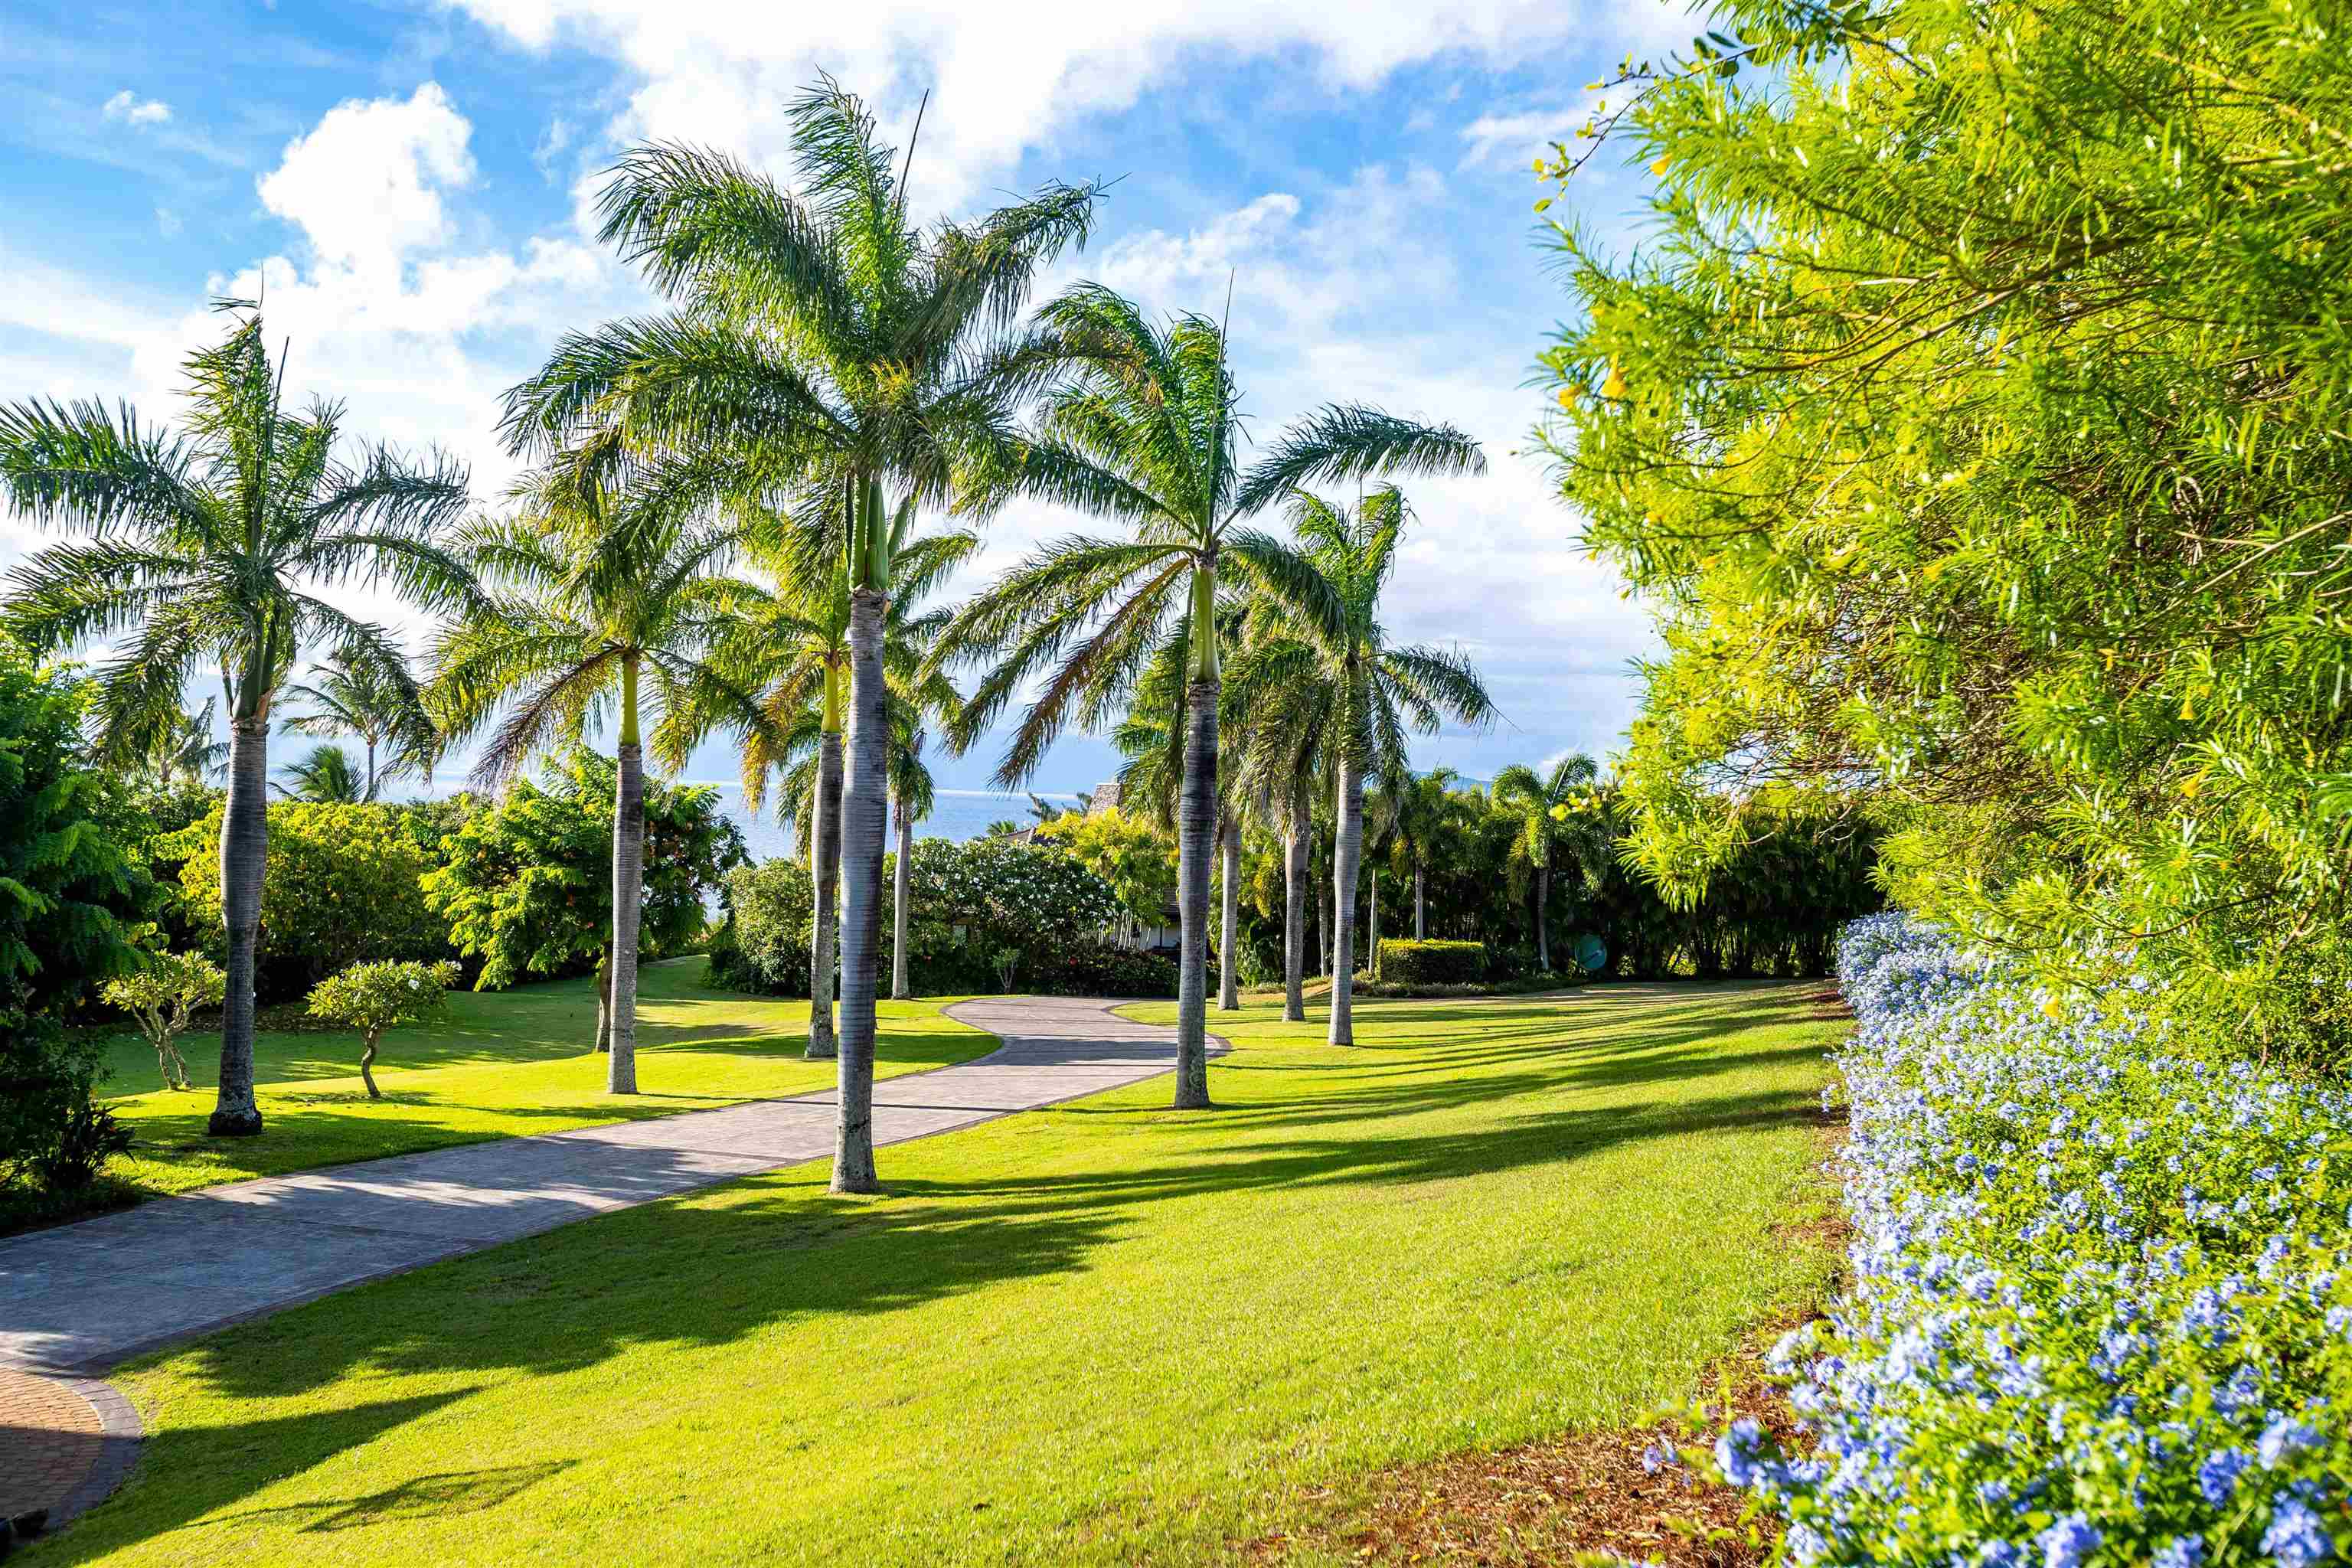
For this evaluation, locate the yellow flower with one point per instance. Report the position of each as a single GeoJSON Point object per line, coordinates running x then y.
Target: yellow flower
{"type": "Point", "coordinates": [1659, 167]}
{"type": "Point", "coordinates": [1616, 386]}
{"type": "Point", "coordinates": [2053, 1008]}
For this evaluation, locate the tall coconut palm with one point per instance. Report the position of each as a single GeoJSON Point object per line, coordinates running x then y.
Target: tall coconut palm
{"type": "Point", "coordinates": [598, 606]}
{"type": "Point", "coordinates": [209, 549]}
{"type": "Point", "coordinates": [795, 647]}
{"type": "Point", "coordinates": [1144, 427]}
{"type": "Point", "coordinates": [1343, 680]}
{"type": "Point", "coordinates": [913, 793]}
{"type": "Point", "coordinates": [1540, 806]}
{"type": "Point", "coordinates": [325, 775]}
{"type": "Point", "coordinates": [1277, 774]}
{"type": "Point", "coordinates": [375, 699]}
{"type": "Point", "coordinates": [820, 337]}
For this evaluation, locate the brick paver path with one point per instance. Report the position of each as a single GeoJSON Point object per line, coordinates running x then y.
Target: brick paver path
{"type": "Point", "coordinates": [49, 1438]}
{"type": "Point", "coordinates": [81, 1297]}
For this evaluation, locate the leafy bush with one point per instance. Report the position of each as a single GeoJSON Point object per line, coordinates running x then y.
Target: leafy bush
{"type": "Point", "coordinates": [764, 945]}
{"type": "Point", "coordinates": [374, 997]}
{"type": "Point", "coordinates": [527, 886]}
{"type": "Point", "coordinates": [342, 886]}
{"type": "Point", "coordinates": [69, 896]}
{"type": "Point", "coordinates": [1095, 969]}
{"type": "Point", "coordinates": [160, 997]}
{"type": "Point", "coordinates": [2101, 1298]}
{"type": "Point", "coordinates": [1433, 962]}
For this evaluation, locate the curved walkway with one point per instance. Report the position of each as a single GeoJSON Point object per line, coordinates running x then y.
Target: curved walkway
{"type": "Point", "coordinates": [81, 1297]}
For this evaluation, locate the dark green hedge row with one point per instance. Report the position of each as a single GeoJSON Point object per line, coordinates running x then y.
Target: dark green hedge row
{"type": "Point", "coordinates": [1433, 962]}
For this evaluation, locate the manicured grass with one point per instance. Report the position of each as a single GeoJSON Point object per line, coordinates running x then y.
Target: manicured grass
{"type": "Point", "coordinates": [495, 1066]}
{"type": "Point", "coordinates": [1105, 1333]}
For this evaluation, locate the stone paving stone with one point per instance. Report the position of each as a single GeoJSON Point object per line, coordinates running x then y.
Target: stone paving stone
{"type": "Point", "coordinates": [50, 1436]}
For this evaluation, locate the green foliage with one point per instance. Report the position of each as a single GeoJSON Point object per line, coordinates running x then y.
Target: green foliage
{"type": "Point", "coordinates": [1432, 963]}
{"type": "Point", "coordinates": [1978, 409]}
{"type": "Point", "coordinates": [1131, 854]}
{"type": "Point", "coordinates": [342, 887]}
{"type": "Point", "coordinates": [527, 885]}
{"type": "Point", "coordinates": [324, 775]}
{"type": "Point", "coordinates": [764, 946]}
{"type": "Point", "coordinates": [69, 896]}
{"type": "Point", "coordinates": [374, 997]}
{"type": "Point", "coordinates": [160, 995]}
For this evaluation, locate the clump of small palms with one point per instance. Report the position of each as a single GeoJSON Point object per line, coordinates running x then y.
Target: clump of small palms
{"type": "Point", "coordinates": [820, 338]}
{"type": "Point", "coordinates": [1551, 831]}
{"type": "Point", "coordinates": [1339, 678]}
{"type": "Point", "coordinates": [596, 607]}
{"type": "Point", "coordinates": [325, 775]}
{"type": "Point", "coordinates": [182, 748]}
{"type": "Point", "coordinates": [1145, 428]}
{"type": "Point", "coordinates": [206, 553]}
{"type": "Point", "coordinates": [375, 699]}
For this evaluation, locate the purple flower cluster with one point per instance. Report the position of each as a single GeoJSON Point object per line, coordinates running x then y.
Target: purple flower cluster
{"type": "Point", "coordinates": [2100, 1309]}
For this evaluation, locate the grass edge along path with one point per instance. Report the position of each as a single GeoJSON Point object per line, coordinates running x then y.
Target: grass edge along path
{"type": "Point", "coordinates": [1104, 1332]}
{"type": "Point", "coordinates": [495, 1064]}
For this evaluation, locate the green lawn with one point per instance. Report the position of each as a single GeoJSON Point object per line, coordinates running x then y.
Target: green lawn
{"type": "Point", "coordinates": [494, 1066]}
{"type": "Point", "coordinates": [1105, 1333]}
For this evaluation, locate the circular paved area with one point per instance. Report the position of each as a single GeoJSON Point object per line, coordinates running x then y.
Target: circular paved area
{"type": "Point", "coordinates": [64, 1443]}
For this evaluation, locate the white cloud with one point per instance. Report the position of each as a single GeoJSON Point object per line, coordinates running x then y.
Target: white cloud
{"type": "Point", "coordinates": [723, 71]}
{"type": "Point", "coordinates": [167, 222]}
{"type": "Point", "coordinates": [365, 183]}
{"type": "Point", "coordinates": [1527, 134]}
{"type": "Point", "coordinates": [128, 106]}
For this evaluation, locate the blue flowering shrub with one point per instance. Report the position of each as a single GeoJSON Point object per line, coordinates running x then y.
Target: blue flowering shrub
{"type": "Point", "coordinates": [2101, 1307]}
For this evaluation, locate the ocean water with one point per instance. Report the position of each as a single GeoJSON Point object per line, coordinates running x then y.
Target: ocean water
{"type": "Point", "coordinates": [957, 815]}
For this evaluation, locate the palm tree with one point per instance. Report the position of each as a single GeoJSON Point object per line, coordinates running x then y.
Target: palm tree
{"type": "Point", "coordinates": [180, 748]}
{"type": "Point", "coordinates": [913, 793]}
{"type": "Point", "coordinates": [1145, 427]}
{"type": "Point", "coordinates": [324, 775]}
{"type": "Point", "coordinates": [795, 647]}
{"type": "Point", "coordinates": [822, 339]}
{"type": "Point", "coordinates": [1427, 816]}
{"type": "Point", "coordinates": [598, 604]}
{"type": "Point", "coordinates": [1540, 806]}
{"type": "Point", "coordinates": [375, 700]}
{"type": "Point", "coordinates": [1308, 675]}
{"type": "Point", "coordinates": [209, 547]}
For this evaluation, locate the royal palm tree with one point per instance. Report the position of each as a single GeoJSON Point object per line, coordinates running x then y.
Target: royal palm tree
{"type": "Point", "coordinates": [1341, 680]}
{"type": "Point", "coordinates": [325, 775]}
{"type": "Point", "coordinates": [913, 793]}
{"type": "Point", "coordinates": [375, 700]}
{"type": "Point", "coordinates": [1144, 427]}
{"type": "Point", "coordinates": [1540, 806]}
{"type": "Point", "coordinates": [209, 549]}
{"type": "Point", "coordinates": [793, 645]}
{"type": "Point", "coordinates": [597, 606]}
{"type": "Point", "coordinates": [820, 338]}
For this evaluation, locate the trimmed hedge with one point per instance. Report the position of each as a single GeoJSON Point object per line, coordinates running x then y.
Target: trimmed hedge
{"type": "Point", "coordinates": [1432, 963]}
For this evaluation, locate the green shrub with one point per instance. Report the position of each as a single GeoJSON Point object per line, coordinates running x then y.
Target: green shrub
{"type": "Point", "coordinates": [764, 945]}
{"type": "Point", "coordinates": [69, 896]}
{"type": "Point", "coordinates": [374, 997]}
{"type": "Point", "coordinates": [1432, 963]}
{"type": "Point", "coordinates": [342, 886]}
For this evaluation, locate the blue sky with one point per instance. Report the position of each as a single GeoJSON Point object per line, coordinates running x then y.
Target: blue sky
{"type": "Point", "coordinates": [408, 181]}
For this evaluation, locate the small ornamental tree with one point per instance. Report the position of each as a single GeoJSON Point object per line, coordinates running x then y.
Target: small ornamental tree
{"type": "Point", "coordinates": [374, 997]}
{"type": "Point", "coordinates": [161, 996]}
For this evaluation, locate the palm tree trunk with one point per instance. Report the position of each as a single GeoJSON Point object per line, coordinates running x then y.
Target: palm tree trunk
{"type": "Point", "coordinates": [371, 778]}
{"type": "Point", "coordinates": [628, 885]}
{"type": "Point", "coordinates": [1543, 896]}
{"type": "Point", "coordinates": [825, 875]}
{"type": "Point", "coordinates": [864, 804]}
{"type": "Point", "coordinates": [1347, 853]}
{"type": "Point", "coordinates": [1322, 935]}
{"type": "Point", "coordinates": [1373, 926]}
{"type": "Point", "coordinates": [1196, 833]}
{"type": "Point", "coordinates": [1294, 915]}
{"type": "Point", "coordinates": [1419, 902]}
{"type": "Point", "coordinates": [245, 849]}
{"type": "Point", "coordinates": [899, 989]}
{"type": "Point", "coordinates": [605, 999]}
{"type": "Point", "coordinates": [1229, 979]}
